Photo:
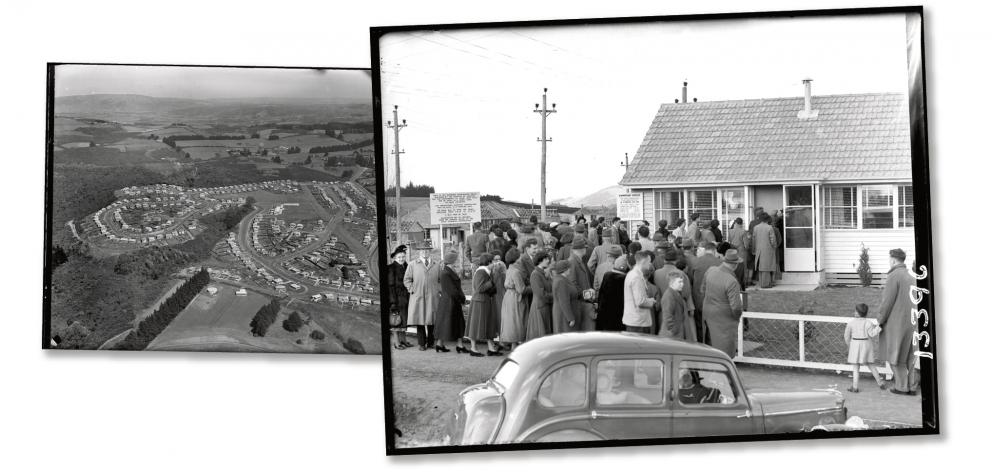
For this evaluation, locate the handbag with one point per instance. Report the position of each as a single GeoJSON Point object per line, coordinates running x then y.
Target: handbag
{"type": "Point", "coordinates": [395, 319]}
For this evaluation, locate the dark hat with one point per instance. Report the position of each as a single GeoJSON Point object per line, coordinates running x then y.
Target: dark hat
{"type": "Point", "coordinates": [561, 267]}
{"type": "Point", "coordinates": [485, 259]}
{"type": "Point", "coordinates": [498, 232]}
{"type": "Point", "coordinates": [450, 258]}
{"type": "Point", "coordinates": [898, 254]}
{"type": "Point", "coordinates": [671, 255]}
{"type": "Point", "coordinates": [580, 228]}
{"type": "Point", "coordinates": [607, 232]}
{"type": "Point", "coordinates": [658, 237]}
{"type": "Point", "coordinates": [511, 234]}
{"type": "Point", "coordinates": [614, 251]}
{"type": "Point", "coordinates": [688, 243]}
{"type": "Point", "coordinates": [579, 242]}
{"type": "Point", "coordinates": [731, 257]}
{"type": "Point", "coordinates": [399, 249]}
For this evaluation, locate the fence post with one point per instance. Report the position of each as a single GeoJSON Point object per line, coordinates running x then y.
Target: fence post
{"type": "Point", "coordinates": [802, 340]}
{"type": "Point", "coordinates": [740, 335]}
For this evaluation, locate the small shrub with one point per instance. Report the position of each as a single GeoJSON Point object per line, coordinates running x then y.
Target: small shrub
{"type": "Point", "coordinates": [864, 268]}
{"type": "Point", "coordinates": [317, 335]}
{"type": "Point", "coordinates": [353, 346]}
{"type": "Point", "coordinates": [293, 323]}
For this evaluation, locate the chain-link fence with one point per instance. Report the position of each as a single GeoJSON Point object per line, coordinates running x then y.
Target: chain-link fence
{"type": "Point", "coordinates": [795, 340]}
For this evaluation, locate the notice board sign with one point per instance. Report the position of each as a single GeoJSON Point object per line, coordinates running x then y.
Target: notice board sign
{"type": "Point", "coordinates": [455, 208]}
{"type": "Point", "coordinates": [630, 206]}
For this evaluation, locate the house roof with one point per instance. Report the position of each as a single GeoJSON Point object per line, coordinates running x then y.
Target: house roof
{"type": "Point", "coordinates": [853, 137]}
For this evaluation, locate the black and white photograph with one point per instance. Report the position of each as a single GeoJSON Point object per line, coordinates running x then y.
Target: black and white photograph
{"type": "Point", "coordinates": [199, 208]}
{"type": "Point", "coordinates": [654, 230]}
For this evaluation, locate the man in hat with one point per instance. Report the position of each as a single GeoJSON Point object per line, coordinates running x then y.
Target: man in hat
{"type": "Point", "coordinates": [422, 281]}
{"type": "Point", "coordinates": [672, 322]}
{"type": "Point", "coordinates": [581, 277]}
{"type": "Point", "coordinates": [623, 238]}
{"type": "Point", "coordinates": [765, 243]}
{"type": "Point", "coordinates": [566, 304]}
{"type": "Point", "coordinates": [661, 246]}
{"type": "Point", "coordinates": [600, 252]}
{"type": "Point", "coordinates": [583, 231]}
{"type": "Point", "coordinates": [895, 311]}
{"type": "Point", "coordinates": [661, 279]}
{"type": "Point", "coordinates": [637, 305]}
{"type": "Point", "coordinates": [689, 256]}
{"type": "Point", "coordinates": [475, 244]}
{"type": "Point", "coordinates": [703, 263]}
{"type": "Point", "coordinates": [722, 305]}
{"type": "Point", "coordinates": [605, 265]}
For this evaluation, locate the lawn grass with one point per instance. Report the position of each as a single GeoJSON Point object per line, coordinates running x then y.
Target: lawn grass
{"type": "Point", "coordinates": [825, 301]}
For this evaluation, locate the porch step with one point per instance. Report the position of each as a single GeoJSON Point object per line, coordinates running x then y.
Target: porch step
{"type": "Point", "coordinates": [782, 287]}
{"type": "Point", "coordinates": [801, 278]}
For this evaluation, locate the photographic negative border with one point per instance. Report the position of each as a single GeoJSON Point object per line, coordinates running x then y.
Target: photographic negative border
{"type": "Point", "coordinates": [46, 325]}
{"type": "Point", "coordinates": [921, 189]}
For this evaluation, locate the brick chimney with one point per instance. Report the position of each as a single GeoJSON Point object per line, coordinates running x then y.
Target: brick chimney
{"type": "Point", "coordinates": [685, 92]}
{"type": "Point", "coordinates": [808, 113]}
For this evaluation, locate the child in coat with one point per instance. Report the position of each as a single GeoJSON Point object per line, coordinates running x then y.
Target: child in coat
{"type": "Point", "coordinates": [859, 334]}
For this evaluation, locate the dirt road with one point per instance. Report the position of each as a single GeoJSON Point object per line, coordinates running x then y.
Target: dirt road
{"type": "Point", "coordinates": [426, 383]}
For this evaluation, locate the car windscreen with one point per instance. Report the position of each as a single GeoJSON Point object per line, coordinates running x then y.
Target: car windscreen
{"type": "Point", "coordinates": [506, 373]}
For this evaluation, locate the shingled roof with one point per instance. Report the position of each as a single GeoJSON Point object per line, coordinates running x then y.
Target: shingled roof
{"type": "Point", "coordinates": [854, 137]}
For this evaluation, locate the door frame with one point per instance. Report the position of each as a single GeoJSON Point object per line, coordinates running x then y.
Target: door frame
{"type": "Point", "coordinates": [814, 188]}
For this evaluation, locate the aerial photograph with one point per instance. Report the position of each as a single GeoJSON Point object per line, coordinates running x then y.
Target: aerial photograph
{"type": "Point", "coordinates": [211, 209]}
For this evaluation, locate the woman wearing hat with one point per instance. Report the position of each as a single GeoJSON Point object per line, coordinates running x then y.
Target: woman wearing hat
{"type": "Point", "coordinates": [497, 270]}
{"type": "Point", "coordinates": [539, 316]}
{"type": "Point", "coordinates": [611, 297]}
{"type": "Point", "coordinates": [565, 307]}
{"type": "Point", "coordinates": [449, 323]}
{"type": "Point", "coordinates": [497, 245]}
{"type": "Point", "coordinates": [399, 297]}
{"type": "Point", "coordinates": [481, 309]}
{"type": "Point", "coordinates": [565, 250]}
{"type": "Point", "coordinates": [514, 308]}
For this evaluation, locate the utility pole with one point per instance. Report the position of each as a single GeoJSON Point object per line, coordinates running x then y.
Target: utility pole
{"type": "Point", "coordinates": [626, 162]}
{"type": "Point", "coordinates": [396, 126]}
{"type": "Point", "coordinates": [544, 139]}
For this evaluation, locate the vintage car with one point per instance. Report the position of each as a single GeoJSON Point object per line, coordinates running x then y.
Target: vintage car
{"type": "Point", "coordinates": [607, 385]}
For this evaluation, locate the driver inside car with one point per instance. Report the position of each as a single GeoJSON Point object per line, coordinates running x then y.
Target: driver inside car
{"type": "Point", "coordinates": [692, 391]}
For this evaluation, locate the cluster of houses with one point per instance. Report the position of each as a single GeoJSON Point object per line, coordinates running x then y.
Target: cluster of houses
{"type": "Point", "coordinates": [344, 299]}
{"type": "Point", "coordinates": [272, 236]}
{"type": "Point", "coordinates": [320, 194]}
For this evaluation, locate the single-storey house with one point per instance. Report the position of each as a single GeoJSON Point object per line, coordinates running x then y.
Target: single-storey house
{"type": "Point", "coordinates": [838, 166]}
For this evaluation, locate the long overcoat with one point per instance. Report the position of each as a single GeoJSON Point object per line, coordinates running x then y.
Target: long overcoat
{"type": "Point", "coordinates": [399, 297]}
{"type": "Point", "coordinates": [565, 305]}
{"type": "Point", "coordinates": [660, 280]}
{"type": "Point", "coordinates": [449, 323]}
{"type": "Point", "coordinates": [513, 327]}
{"type": "Point", "coordinates": [702, 264]}
{"type": "Point", "coordinates": [422, 283]}
{"type": "Point", "coordinates": [722, 308]}
{"type": "Point", "coordinates": [765, 243]}
{"type": "Point", "coordinates": [481, 309]}
{"type": "Point", "coordinates": [896, 340]}
{"type": "Point", "coordinates": [539, 316]}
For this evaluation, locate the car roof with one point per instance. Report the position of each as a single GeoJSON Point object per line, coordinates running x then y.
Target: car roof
{"type": "Point", "coordinates": [554, 348]}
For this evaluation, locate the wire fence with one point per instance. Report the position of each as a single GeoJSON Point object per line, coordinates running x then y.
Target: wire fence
{"type": "Point", "coordinates": [807, 341]}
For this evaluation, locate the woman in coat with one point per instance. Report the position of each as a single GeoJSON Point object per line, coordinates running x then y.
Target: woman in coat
{"type": "Point", "coordinates": [715, 229]}
{"type": "Point", "coordinates": [765, 242]}
{"type": "Point", "coordinates": [738, 238]}
{"type": "Point", "coordinates": [449, 322]}
{"type": "Point", "coordinates": [497, 270]}
{"type": "Point", "coordinates": [481, 309]}
{"type": "Point", "coordinates": [399, 298]}
{"type": "Point", "coordinates": [539, 316]}
{"type": "Point", "coordinates": [514, 309]}
{"type": "Point", "coordinates": [565, 251]}
{"type": "Point", "coordinates": [565, 309]}
{"type": "Point", "coordinates": [722, 308]}
{"type": "Point", "coordinates": [421, 280]}
{"type": "Point", "coordinates": [611, 297]}
{"type": "Point", "coordinates": [496, 245]}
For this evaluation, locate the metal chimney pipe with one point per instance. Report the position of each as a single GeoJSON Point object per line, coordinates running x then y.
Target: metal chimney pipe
{"type": "Point", "coordinates": [808, 102]}
{"type": "Point", "coordinates": [685, 92]}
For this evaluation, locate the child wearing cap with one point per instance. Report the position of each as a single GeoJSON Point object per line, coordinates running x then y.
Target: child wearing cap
{"type": "Point", "coordinates": [859, 334]}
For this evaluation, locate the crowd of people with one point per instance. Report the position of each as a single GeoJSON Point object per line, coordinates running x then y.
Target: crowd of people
{"type": "Point", "coordinates": [530, 279]}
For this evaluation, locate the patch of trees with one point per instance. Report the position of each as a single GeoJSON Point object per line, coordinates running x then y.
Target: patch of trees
{"type": "Point", "coordinates": [276, 159]}
{"type": "Point", "coordinates": [59, 257]}
{"type": "Point", "coordinates": [155, 323]}
{"type": "Point", "coordinates": [410, 190]}
{"type": "Point", "coordinates": [294, 150]}
{"type": "Point", "coordinates": [273, 137]}
{"type": "Point", "coordinates": [308, 161]}
{"type": "Point", "coordinates": [347, 173]}
{"type": "Point", "coordinates": [255, 136]}
{"type": "Point", "coordinates": [490, 198]}
{"type": "Point", "coordinates": [171, 140]}
{"type": "Point", "coordinates": [264, 318]}
{"type": "Point", "coordinates": [317, 335]}
{"type": "Point", "coordinates": [293, 322]}
{"type": "Point", "coordinates": [341, 147]}
{"type": "Point", "coordinates": [351, 344]}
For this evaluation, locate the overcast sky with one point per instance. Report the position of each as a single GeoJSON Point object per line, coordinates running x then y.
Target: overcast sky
{"type": "Point", "coordinates": [212, 82]}
{"type": "Point", "coordinates": [468, 95]}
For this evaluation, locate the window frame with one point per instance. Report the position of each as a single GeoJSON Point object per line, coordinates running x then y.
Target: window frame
{"type": "Point", "coordinates": [898, 223]}
{"type": "Point", "coordinates": [658, 209]}
{"type": "Point", "coordinates": [665, 386]}
{"type": "Point", "coordinates": [587, 400]}
{"type": "Point", "coordinates": [740, 399]}
{"type": "Point", "coordinates": [827, 206]}
{"type": "Point", "coordinates": [902, 190]}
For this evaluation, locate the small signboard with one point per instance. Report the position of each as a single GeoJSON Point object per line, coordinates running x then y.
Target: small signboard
{"type": "Point", "coordinates": [455, 208]}
{"type": "Point", "coordinates": [630, 206]}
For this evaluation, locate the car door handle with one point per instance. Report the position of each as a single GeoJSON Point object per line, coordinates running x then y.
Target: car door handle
{"type": "Point", "coordinates": [747, 414]}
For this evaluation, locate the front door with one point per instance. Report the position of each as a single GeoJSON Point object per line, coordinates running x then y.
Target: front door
{"type": "Point", "coordinates": [800, 255]}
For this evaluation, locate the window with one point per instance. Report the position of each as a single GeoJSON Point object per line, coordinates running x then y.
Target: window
{"type": "Point", "coordinates": [630, 382]}
{"type": "Point", "coordinates": [669, 205]}
{"type": "Point", "coordinates": [565, 387]}
{"type": "Point", "coordinates": [876, 206]}
{"type": "Point", "coordinates": [506, 373]}
{"type": "Point", "coordinates": [732, 202]}
{"type": "Point", "coordinates": [906, 206]}
{"type": "Point", "coordinates": [705, 383]}
{"type": "Point", "coordinates": [840, 205]}
{"type": "Point", "coordinates": [703, 202]}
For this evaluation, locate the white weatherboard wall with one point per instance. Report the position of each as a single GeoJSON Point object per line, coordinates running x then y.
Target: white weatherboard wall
{"type": "Point", "coordinates": [648, 196]}
{"type": "Point", "coordinates": [842, 248]}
